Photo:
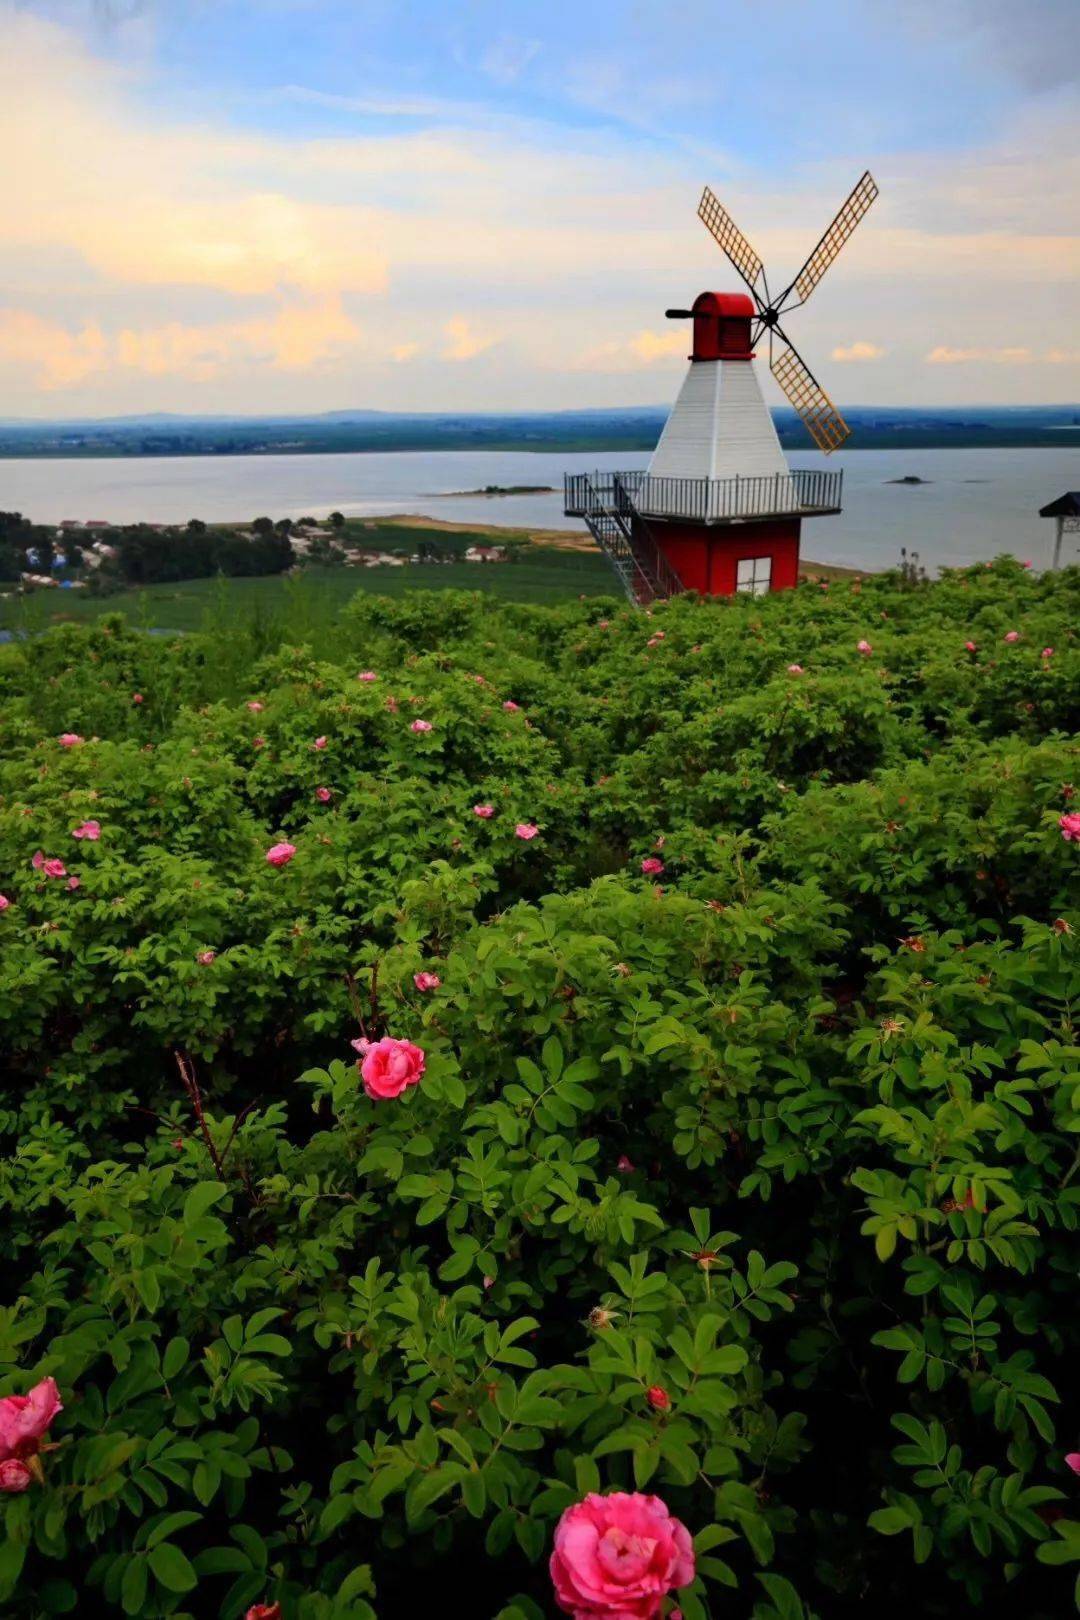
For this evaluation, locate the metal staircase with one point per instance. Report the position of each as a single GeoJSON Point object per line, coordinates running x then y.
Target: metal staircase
{"type": "Point", "coordinates": [622, 534]}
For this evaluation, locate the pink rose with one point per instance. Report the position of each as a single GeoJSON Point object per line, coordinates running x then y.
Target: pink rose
{"type": "Point", "coordinates": [255, 706]}
{"type": "Point", "coordinates": [280, 854]}
{"type": "Point", "coordinates": [1048, 652]}
{"type": "Point", "coordinates": [484, 811]}
{"type": "Point", "coordinates": [1072, 1460]}
{"type": "Point", "coordinates": [420, 725]}
{"type": "Point", "coordinates": [25, 1418]}
{"type": "Point", "coordinates": [625, 1166]}
{"type": "Point", "coordinates": [54, 868]}
{"type": "Point", "coordinates": [526, 830]}
{"type": "Point", "coordinates": [367, 675]}
{"type": "Point", "coordinates": [258, 742]}
{"type": "Point", "coordinates": [323, 795]}
{"type": "Point", "coordinates": [616, 1557]}
{"type": "Point", "coordinates": [651, 866]}
{"type": "Point", "coordinates": [970, 646]}
{"type": "Point", "coordinates": [388, 1066]}
{"type": "Point", "coordinates": [1027, 562]}
{"type": "Point", "coordinates": [88, 829]}
{"type": "Point", "coordinates": [264, 1611]}
{"type": "Point", "coordinates": [426, 981]}
{"type": "Point", "coordinates": [658, 1397]}
{"type": "Point", "coordinates": [37, 860]}
{"type": "Point", "coordinates": [4, 902]}
{"type": "Point", "coordinates": [864, 647]}
{"type": "Point", "coordinates": [795, 669]}
{"type": "Point", "coordinates": [204, 958]}
{"type": "Point", "coordinates": [14, 1475]}
{"type": "Point", "coordinates": [136, 697]}
{"type": "Point", "coordinates": [1012, 635]}
{"type": "Point", "coordinates": [511, 707]}
{"type": "Point", "coordinates": [319, 744]}
{"type": "Point", "coordinates": [1070, 827]}
{"type": "Point", "coordinates": [602, 624]}
{"type": "Point", "coordinates": [74, 882]}
{"type": "Point", "coordinates": [70, 739]}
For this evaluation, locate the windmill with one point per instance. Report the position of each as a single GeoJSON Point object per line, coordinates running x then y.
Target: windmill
{"type": "Point", "coordinates": [719, 510]}
{"type": "Point", "coordinates": [823, 421]}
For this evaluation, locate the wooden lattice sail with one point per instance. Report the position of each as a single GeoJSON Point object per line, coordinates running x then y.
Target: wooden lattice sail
{"type": "Point", "coordinates": [823, 421]}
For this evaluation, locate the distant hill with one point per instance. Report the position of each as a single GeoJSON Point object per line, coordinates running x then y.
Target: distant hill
{"type": "Point", "coordinates": [635, 428]}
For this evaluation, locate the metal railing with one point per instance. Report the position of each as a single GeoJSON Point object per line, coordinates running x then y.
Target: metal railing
{"type": "Point", "coordinates": [625, 539]}
{"type": "Point", "coordinates": [808, 491]}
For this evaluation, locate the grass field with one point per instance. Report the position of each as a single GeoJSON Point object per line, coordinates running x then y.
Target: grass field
{"type": "Point", "coordinates": [315, 596]}
{"type": "Point", "coordinates": [560, 566]}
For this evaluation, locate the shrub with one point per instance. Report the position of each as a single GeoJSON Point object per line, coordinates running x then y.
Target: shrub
{"type": "Point", "coordinates": [744, 1178]}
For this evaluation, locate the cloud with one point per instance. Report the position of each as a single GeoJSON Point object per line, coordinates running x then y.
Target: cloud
{"type": "Point", "coordinates": [944, 356]}
{"type": "Point", "coordinates": [294, 338]}
{"type": "Point", "coordinates": [462, 342]}
{"type": "Point", "coordinates": [146, 249]}
{"type": "Point", "coordinates": [507, 58]}
{"type": "Point", "coordinates": [59, 358]}
{"type": "Point", "coordinates": [858, 351]}
{"type": "Point", "coordinates": [637, 353]}
{"type": "Point", "coordinates": [388, 106]}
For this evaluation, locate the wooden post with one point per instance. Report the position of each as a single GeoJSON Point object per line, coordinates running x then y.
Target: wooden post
{"type": "Point", "coordinates": [1059, 531]}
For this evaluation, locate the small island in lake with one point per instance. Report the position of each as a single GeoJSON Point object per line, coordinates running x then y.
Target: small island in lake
{"type": "Point", "coordinates": [909, 478]}
{"type": "Point", "coordinates": [508, 489]}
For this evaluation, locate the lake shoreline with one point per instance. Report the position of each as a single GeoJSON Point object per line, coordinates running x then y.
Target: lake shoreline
{"type": "Point", "coordinates": [972, 505]}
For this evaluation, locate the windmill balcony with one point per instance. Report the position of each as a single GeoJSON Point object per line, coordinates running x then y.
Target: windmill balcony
{"type": "Point", "coordinates": [808, 492]}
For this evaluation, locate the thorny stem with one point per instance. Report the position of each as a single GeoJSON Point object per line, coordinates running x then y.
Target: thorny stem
{"type": "Point", "coordinates": [354, 1001]}
{"type": "Point", "coordinates": [191, 1086]}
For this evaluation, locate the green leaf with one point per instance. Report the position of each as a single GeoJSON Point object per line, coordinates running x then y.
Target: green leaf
{"type": "Point", "coordinates": [175, 1357]}
{"type": "Point", "coordinates": [171, 1568]}
{"type": "Point", "coordinates": [200, 1198]}
{"type": "Point", "coordinates": [133, 1585]}
{"type": "Point", "coordinates": [889, 1521]}
{"type": "Point", "coordinates": [171, 1522]}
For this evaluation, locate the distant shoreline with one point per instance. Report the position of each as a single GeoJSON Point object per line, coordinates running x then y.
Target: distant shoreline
{"type": "Point", "coordinates": [632, 430]}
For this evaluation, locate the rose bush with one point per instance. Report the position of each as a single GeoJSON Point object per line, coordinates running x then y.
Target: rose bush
{"type": "Point", "coordinates": [618, 1155]}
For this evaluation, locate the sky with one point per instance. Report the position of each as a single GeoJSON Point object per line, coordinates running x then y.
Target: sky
{"type": "Point", "coordinates": [267, 206]}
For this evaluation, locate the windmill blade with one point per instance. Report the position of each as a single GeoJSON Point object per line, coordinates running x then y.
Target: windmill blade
{"type": "Point", "coordinates": [849, 215]}
{"type": "Point", "coordinates": [717, 220]}
{"type": "Point", "coordinates": [823, 421]}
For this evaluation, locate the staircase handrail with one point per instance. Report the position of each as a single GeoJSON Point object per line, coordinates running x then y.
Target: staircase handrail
{"type": "Point", "coordinates": [666, 576]}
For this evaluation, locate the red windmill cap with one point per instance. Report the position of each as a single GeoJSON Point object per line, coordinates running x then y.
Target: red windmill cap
{"type": "Point", "coordinates": [730, 305]}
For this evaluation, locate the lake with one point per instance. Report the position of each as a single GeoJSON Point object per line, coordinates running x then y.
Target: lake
{"type": "Point", "coordinates": [974, 503]}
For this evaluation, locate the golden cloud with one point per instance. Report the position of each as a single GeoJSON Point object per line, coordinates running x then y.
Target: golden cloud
{"type": "Point", "coordinates": [463, 342]}
{"type": "Point", "coordinates": [294, 338]}
{"type": "Point", "coordinates": [858, 351]}
{"type": "Point", "coordinates": [944, 356]}
{"type": "Point", "coordinates": [58, 358]}
{"type": "Point", "coordinates": [636, 353]}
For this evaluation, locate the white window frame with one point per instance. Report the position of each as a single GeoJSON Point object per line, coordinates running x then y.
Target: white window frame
{"type": "Point", "coordinates": [753, 575]}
